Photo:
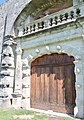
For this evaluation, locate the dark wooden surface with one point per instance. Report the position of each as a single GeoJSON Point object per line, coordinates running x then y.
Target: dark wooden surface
{"type": "Point", "coordinates": [53, 83]}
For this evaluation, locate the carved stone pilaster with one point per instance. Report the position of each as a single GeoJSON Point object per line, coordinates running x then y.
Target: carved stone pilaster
{"type": "Point", "coordinates": [18, 71]}
{"type": "Point", "coordinates": [26, 84]}
{"type": "Point", "coordinates": [79, 85]}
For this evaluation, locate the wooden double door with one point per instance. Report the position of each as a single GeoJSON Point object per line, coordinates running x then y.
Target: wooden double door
{"type": "Point", "coordinates": [53, 83]}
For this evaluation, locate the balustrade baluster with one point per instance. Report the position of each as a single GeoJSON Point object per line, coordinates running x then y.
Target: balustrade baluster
{"type": "Point", "coordinates": [39, 26]}
{"type": "Point", "coordinates": [51, 22]}
{"type": "Point", "coordinates": [34, 26]}
{"type": "Point", "coordinates": [42, 23]}
{"type": "Point", "coordinates": [55, 19]}
{"type": "Point", "coordinates": [23, 31]}
{"type": "Point", "coordinates": [26, 30]}
{"type": "Point", "coordinates": [30, 29]}
{"type": "Point", "coordinates": [47, 22]}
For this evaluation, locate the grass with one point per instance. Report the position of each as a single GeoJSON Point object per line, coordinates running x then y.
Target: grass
{"type": "Point", "coordinates": [13, 114]}
{"type": "Point", "coordinates": [8, 114]}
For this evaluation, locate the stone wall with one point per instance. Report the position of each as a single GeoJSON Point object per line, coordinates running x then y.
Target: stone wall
{"type": "Point", "coordinates": [11, 9]}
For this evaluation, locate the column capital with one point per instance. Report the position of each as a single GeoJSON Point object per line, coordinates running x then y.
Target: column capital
{"type": "Point", "coordinates": [19, 50]}
{"type": "Point", "coordinates": [8, 37]}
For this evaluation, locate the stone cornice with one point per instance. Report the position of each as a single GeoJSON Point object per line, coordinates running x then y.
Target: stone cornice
{"type": "Point", "coordinates": [53, 42]}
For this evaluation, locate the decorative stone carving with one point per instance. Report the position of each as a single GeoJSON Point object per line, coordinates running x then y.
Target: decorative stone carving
{"type": "Point", "coordinates": [8, 51]}
{"type": "Point", "coordinates": [78, 86]}
{"type": "Point", "coordinates": [77, 57]}
{"type": "Point", "coordinates": [19, 50]}
{"type": "Point", "coordinates": [7, 64]}
{"type": "Point", "coordinates": [9, 42]}
{"type": "Point", "coordinates": [25, 72]}
{"type": "Point", "coordinates": [37, 50]}
{"type": "Point", "coordinates": [78, 70]}
{"type": "Point", "coordinates": [59, 47]}
{"type": "Point", "coordinates": [47, 48]}
{"type": "Point", "coordinates": [25, 62]}
{"type": "Point", "coordinates": [8, 61]}
{"type": "Point", "coordinates": [30, 56]}
{"type": "Point", "coordinates": [5, 73]}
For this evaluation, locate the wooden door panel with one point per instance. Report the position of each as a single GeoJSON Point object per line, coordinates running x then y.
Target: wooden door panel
{"type": "Point", "coordinates": [53, 83]}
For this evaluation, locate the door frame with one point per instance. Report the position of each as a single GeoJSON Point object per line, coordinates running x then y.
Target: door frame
{"type": "Point", "coordinates": [77, 54]}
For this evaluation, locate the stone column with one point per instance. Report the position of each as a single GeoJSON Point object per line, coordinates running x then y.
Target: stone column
{"type": "Point", "coordinates": [79, 71]}
{"type": "Point", "coordinates": [18, 79]}
{"type": "Point", "coordinates": [7, 70]}
{"type": "Point", "coordinates": [26, 84]}
{"type": "Point", "coordinates": [28, 96]}
{"type": "Point", "coordinates": [18, 71]}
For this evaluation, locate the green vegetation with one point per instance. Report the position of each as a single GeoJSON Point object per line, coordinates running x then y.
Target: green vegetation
{"type": "Point", "coordinates": [13, 114]}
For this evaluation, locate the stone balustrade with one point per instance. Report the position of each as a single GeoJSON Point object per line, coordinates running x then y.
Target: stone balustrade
{"type": "Point", "coordinates": [49, 21]}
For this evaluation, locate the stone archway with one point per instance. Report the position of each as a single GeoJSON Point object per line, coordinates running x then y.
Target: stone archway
{"type": "Point", "coordinates": [53, 83]}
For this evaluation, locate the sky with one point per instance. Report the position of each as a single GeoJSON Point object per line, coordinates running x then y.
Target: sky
{"type": "Point", "coordinates": [2, 1]}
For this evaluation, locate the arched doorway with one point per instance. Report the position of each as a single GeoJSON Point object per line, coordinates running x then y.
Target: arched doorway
{"type": "Point", "coordinates": [53, 83]}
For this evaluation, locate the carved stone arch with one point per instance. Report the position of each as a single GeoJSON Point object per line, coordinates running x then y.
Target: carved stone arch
{"type": "Point", "coordinates": [46, 69]}
{"type": "Point", "coordinates": [69, 50]}
{"type": "Point", "coordinates": [78, 55]}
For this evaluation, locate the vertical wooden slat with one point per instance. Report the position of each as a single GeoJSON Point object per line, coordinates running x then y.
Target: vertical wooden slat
{"type": "Point", "coordinates": [62, 86]}
{"type": "Point", "coordinates": [55, 84]}
{"type": "Point", "coordinates": [60, 95]}
{"type": "Point", "coordinates": [47, 75]}
{"type": "Point", "coordinates": [37, 83]}
{"type": "Point", "coordinates": [51, 86]}
{"type": "Point", "coordinates": [40, 86]}
{"type": "Point", "coordinates": [33, 87]}
{"type": "Point", "coordinates": [68, 86]}
{"type": "Point", "coordinates": [42, 76]}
